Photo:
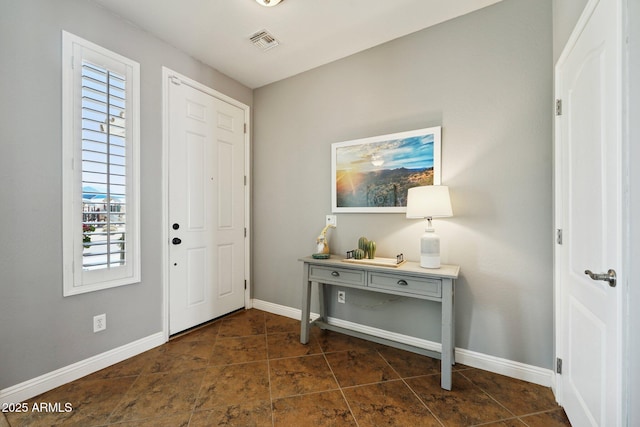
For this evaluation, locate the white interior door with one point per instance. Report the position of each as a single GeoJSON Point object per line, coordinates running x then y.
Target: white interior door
{"type": "Point", "coordinates": [206, 206]}
{"type": "Point", "coordinates": [589, 212]}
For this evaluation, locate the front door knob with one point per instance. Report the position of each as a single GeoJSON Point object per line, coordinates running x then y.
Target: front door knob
{"type": "Point", "coordinates": [176, 241]}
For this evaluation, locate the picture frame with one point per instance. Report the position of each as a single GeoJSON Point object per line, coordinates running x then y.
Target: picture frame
{"type": "Point", "coordinates": [373, 175]}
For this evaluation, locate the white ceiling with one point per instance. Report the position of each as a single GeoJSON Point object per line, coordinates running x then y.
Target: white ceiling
{"type": "Point", "coordinates": [310, 32]}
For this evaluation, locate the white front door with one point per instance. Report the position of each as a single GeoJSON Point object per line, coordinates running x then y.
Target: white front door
{"type": "Point", "coordinates": [206, 203]}
{"type": "Point", "coordinates": [589, 212]}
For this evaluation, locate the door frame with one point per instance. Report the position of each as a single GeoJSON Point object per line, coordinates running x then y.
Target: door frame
{"type": "Point", "coordinates": [625, 188]}
{"type": "Point", "coordinates": [168, 74]}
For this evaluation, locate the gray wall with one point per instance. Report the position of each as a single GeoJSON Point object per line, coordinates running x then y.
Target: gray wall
{"type": "Point", "coordinates": [565, 16]}
{"type": "Point", "coordinates": [487, 79]}
{"type": "Point", "coordinates": [41, 331]}
{"type": "Point", "coordinates": [470, 75]}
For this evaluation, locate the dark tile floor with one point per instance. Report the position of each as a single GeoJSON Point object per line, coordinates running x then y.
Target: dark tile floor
{"type": "Point", "coordinates": [249, 369]}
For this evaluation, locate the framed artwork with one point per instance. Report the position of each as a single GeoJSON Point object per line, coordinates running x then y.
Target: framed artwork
{"type": "Point", "coordinates": [374, 174]}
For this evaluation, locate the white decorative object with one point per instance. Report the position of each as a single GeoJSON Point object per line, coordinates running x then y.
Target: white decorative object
{"type": "Point", "coordinates": [268, 3]}
{"type": "Point", "coordinates": [431, 201]}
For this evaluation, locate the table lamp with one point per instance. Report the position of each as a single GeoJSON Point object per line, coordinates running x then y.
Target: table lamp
{"type": "Point", "coordinates": [430, 201]}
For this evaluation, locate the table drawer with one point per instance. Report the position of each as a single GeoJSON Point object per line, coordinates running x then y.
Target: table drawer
{"type": "Point", "coordinates": [408, 284]}
{"type": "Point", "coordinates": [337, 275]}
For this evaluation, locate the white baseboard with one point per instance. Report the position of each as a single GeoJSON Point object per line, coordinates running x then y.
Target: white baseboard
{"type": "Point", "coordinates": [281, 310]}
{"type": "Point", "coordinates": [510, 368]}
{"type": "Point", "coordinates": [51, 380]}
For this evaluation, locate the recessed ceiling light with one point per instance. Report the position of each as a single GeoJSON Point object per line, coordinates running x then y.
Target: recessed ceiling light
{"type": "Point", "coordinates": [268, 3]}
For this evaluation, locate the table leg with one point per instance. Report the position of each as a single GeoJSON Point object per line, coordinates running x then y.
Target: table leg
{"type": "Point", "coordinates": [306, 306]}
{"type": "Point", "coordinates": [447, 333]}
{"type": "Point", "coordinates": [453, 323]}
{"type": "Point", "coordinates": [322, 302]}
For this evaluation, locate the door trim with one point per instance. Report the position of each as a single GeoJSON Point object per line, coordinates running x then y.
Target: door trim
{"type": "Point", "coordinates": [624, 316]}
{"type": "Point", "coordinates": [167, 73]}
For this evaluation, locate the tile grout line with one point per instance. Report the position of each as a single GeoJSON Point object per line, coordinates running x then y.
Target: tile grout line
{"type": "Point", "coordinates": [213, 346]}
{"type": "Point", "coordinates": [490, 396]}
{"type": "Point", "coordinates": [324, 355]}
{"type": "Point", "coordinates": [273, 417]}
{"type": "Point", "coordinates": [108, 419]}
{"type": "Point", "coordinates": [514, 417]}
{"type": "Point", "coordinates": [519, 417]}
{"type": "Point", "coordinates": [409, 387]}
{"type": "Point", "coordinates": [423, 403]}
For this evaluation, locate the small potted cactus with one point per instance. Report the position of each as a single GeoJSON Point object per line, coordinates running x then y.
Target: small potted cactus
{"type": "Point", "coordinates": [371, 252]}
{"type": "Point", "coordinates": [363, 244]}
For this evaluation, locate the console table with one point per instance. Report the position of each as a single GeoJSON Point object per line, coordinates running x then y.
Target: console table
{"type": "Point", "coordinates": [408, 280]}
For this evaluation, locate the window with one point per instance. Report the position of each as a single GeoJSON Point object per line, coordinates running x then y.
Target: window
{"type": "Point", "coordinates": [100, 167]}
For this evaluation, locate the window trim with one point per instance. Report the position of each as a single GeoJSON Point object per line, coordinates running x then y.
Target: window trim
{"type": "Point", "coordinates": [75, 279]}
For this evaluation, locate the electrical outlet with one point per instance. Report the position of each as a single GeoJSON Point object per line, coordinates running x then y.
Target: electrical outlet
{"type": "Point", "coordinates": [332, 220]}
{"type": "Point", "coordinates": [99, 323]}
{"type": "Point", "coordinates": [342, 297]}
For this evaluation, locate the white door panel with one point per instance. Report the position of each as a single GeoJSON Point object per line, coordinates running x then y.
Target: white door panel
{"type": "Point", "coordinates": [588, 210]}
{"type": "Point", "coordinates": [196, 276]}
{"type": "Point", "coordinates": [230, 205]}
{"type": "Point", "coordinates": [206, 204]}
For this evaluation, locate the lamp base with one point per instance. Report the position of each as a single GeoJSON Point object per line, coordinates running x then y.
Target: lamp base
{"type": "Point", "coordinates": [430, 249]}
{"type": "Point", "coordinates": [427, 261]}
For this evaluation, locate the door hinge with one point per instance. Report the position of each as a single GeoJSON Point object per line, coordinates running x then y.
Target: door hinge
{"type": "Point", "coordinates": [558, 107]}
{"type": "Point", "coordinates": [175, 80]}
{"type": "Point", "coordinates": [245, 232]}
{"type": "Point", "coordinates": [245, 128]}
{"type": "Point", "coordinates": [559, 236]}
{"type": "Point", "coordinates": [558, 365]}
{"type": "Point", "coordinates": [245, 180]}
{"type": "Point", "coordinates": [245, 284]}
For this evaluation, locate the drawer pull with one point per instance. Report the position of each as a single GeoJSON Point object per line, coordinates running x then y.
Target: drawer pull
{"type": "Point", "coordinates": [335, 274]}
{"type": "Point", "coordinates": [402, 282]}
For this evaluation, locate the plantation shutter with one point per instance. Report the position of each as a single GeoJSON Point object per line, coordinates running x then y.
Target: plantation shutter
{"type": "Point", "coordinates": [104, 183]}
{"type": "Point", "coordinates": [101, 162]}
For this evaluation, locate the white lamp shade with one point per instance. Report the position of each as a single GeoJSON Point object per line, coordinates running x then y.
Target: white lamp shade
{"type": "Point", "coordinates": [268, 3]}
{"type": "Point", "coordinates": [430, 201]}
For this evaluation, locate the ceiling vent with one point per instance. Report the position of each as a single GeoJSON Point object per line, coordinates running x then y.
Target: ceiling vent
{"type": "Point", "coordinates": [264, 40]}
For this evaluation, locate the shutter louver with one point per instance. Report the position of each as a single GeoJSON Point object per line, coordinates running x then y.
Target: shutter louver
{"type": "Point", "coordinates": [104, 186]}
